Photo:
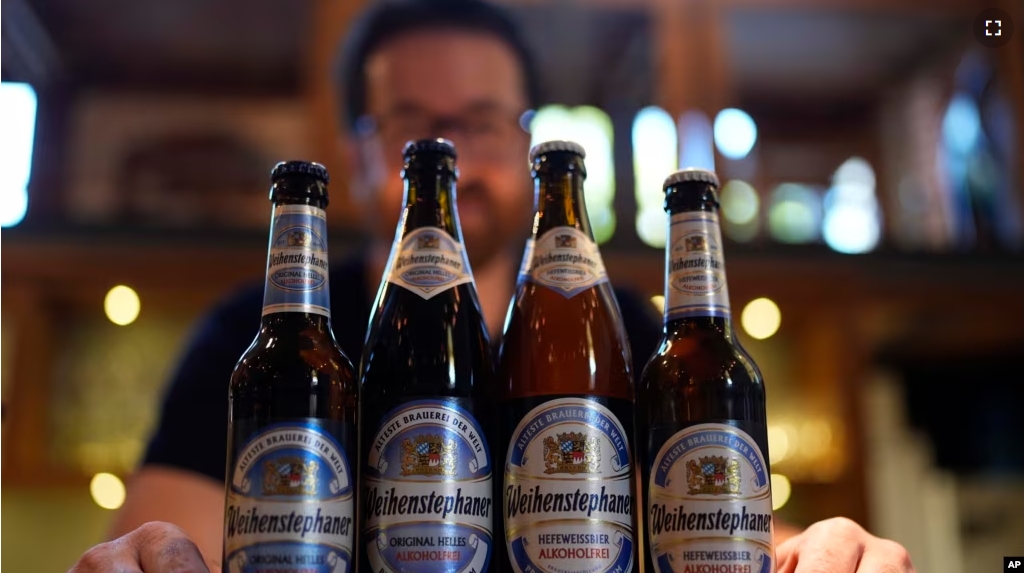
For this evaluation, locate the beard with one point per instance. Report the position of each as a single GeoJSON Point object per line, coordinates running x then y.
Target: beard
{"type": "Point", "coordinates": [486, 233]}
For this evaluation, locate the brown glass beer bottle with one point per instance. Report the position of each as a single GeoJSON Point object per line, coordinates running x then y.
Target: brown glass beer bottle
{"type": "Point", "coordinates": [701, 408]}
{"type": "Point", "coordinates": [567, 410]}
{"type": "Point", "coordinates": [292, 426]}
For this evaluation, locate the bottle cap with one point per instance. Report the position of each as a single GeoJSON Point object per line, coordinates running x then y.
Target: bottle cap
{"type": "Point", "coordinates": [439, 145]}
{"type": "Point", "coordinates": [308, 168]}
{"type": "Point", "coordinates": [691, 174]}
{"type": "Point", "coordinates": [557, 145]}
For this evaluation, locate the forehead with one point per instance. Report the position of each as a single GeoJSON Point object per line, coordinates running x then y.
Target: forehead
{"type": "Point", "coordinates": [444, 72]}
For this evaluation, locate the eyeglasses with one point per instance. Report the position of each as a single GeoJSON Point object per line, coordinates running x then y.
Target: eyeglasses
{"type": "Point", "coordinates": [486, 135]}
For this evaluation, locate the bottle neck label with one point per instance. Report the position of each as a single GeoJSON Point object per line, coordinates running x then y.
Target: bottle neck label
{"type": "Point", "coordinates": [569, 495]}
{"type": "Point", "coordinates": [427, 493]}
{"type": "Point", "coordinates": [297, 269]}
{"type": "Point", "coordinates": [428, 261]}
{"type": "Point", "coordinates": [695, 268]}
{"type": "Point", "coordinates": [709, 502]}
{"type": "Point", "coordinates": [565, 260]}
{"type": "Point", "coordinates": [290, 498]}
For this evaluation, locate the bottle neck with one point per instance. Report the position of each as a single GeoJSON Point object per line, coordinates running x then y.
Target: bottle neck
{"type": "Point", "coordinates": [559, 202]}
{"type": "Point", "coordinates": [296, 288]}
{"type": "Point", "coordinates": [696, 294]}
{"type": "Point", "coordinates": [428, 257]}
{"type": "Point", "coordinates": [430, 197]}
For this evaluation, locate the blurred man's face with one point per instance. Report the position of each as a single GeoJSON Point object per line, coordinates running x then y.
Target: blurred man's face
{"type": "Point", "coordinates": [465, 87]}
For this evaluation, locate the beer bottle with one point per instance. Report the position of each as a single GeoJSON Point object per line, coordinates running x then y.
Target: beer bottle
{"type": "Point", "coordinates": [292, 403]}
{"type": "Point", "coordinates": [703, 451]}
{"type": "Point", "coordinates": [567, 410]}
{"type": "Point", "coordinates": [425, 376]}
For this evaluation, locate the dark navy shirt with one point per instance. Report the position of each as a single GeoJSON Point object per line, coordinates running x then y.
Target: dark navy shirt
{"type": "Point", "coordinates": [193, 428]}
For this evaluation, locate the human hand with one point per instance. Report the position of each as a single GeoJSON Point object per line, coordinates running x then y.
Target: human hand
{"type": "Point", "coordinates": [152, 548]}
{"type": "Point", "coordinates": [840, 545]}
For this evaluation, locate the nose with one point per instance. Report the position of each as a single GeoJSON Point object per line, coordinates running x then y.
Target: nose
{"type": "Point", "coordinates": [463, 143]}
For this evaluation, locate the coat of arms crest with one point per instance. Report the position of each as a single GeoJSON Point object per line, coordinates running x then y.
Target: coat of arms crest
{"type": "Point", "coordinates": [299, 238]}
{"type": "Point", "coordinates": [290, 475]}
{"type": "Point", "coordinates": [696, 243]}
{"type": "Point", "coordinates": [427, 242]}
{"type": "Point", "coordinates": [713, 475]}
{"type": "Point", "coordinates": [572, 453]}
{"type": "Point", "coordinates": [565, 242]}
{"type": "Point", "coordinates": [428, 455]}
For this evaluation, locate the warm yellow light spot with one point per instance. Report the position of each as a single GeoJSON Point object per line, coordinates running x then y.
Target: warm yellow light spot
{"type": "Point", "coordinates": [107, 490]}
{"type": "Point", "coordinates": [780, 491]}
{"type": "Point", "coordinates": [779, 444]}
{"type": "Point", "coordinates": [816, 438]}
{"type": "Point", "coordinates": [659, 301]}
{"type": "Point", "coordinates": [761, 318]}
{"type": "Point", "coordinates": [122, 305]}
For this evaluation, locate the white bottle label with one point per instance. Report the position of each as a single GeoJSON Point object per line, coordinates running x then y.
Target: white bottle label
{"type": "Point", "coordinates": [428, 262]}
{"type": "Point", "coordinates": [564, 260]}
{"type": "Point", "coordinates": [297, 270]}
{"type": "Point", "coordinates": [428, 497]}
{"type": "Point", "coordinates": [696, 281]}
{"type": "Point", "coordinates": [290, 503]}
{"type": "Point", "coordinates": [709, 503]}
{"type": "Point", "coordinates": [569, 491]}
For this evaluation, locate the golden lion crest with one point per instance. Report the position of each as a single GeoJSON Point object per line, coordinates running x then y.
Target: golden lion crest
{"type": "Point", "coordinates": [572, 453]}
{"type": "Point", "coordinates": [565, 242]}
{"type": "Point", "coordinates": [290, 475]}
{"type": "Point", "coordinates": [299, 238]}
{"type": "Point", "coordinates": [428, 456]}
{"type": "Point", "coordinates": [713, 475]}
{"type": "Point", "coordinates": [428, 242]}
{"type": "Point", "coordinates": [696, 243]}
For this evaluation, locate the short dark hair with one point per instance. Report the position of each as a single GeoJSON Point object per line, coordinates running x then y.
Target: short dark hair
{"type": "Point", "coordinates": [387, 19]}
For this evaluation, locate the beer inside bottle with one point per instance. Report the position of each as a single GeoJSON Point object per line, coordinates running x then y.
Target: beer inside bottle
{"type": "Point", "coordinates": [425, 377]}
{"type": "Point", "coordinates": [292, 404]}
{"type": "Point", "coordinates": [707, 501]}
{"type": "Point", "coordinates": [567, 410]}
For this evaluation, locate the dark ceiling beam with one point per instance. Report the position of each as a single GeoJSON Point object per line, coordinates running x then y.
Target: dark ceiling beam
{"type": "Point", "coordinates": [884, 7]}
{"type": "Point", "coordinates": [933, 7]}
{"type": "Point", "coordinates": [191, 80]}
{"type": "Point", "coordinates": [28, 53]}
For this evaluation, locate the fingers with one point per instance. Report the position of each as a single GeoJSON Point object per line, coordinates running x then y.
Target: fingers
{"type": "Point", "coordinates": [106, 558]}
{"type": "Point", "coordinates": [884, 556]}
{"type": "Point", "coordinates": [786, 555]}
{"type": "Point", "coordinates": [841, 546]}
{"type": "Point", "coordinates": [153, 548]}
{"type": "Point", "coordinates": [832, 546]}
{"type": "Point", "coordinates": [164, 548]}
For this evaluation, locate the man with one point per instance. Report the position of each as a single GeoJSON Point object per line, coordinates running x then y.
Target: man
{"type": "Point", "coordinates": [424, 68]}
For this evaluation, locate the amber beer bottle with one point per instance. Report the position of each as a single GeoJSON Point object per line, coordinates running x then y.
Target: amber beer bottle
{"type": "Point", "coordinates": [426, 378]}
{"type": "Point", "coordinates": [567, 410]}
{"type": "Point", "coordinates": [292, 403]}
{"type": "Point", "coordinates": [702, 402]}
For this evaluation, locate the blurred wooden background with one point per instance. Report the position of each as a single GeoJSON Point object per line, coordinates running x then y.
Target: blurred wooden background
{"type": "Point", "coordinates": [138, 101]}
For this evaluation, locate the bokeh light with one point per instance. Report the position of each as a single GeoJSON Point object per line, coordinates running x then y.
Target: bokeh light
{"type": "Point", "coordinates": [122, 305]}
{"type": "Point", "coordinates": [735, 133]}
{"type": "Point", "coordinates": [761, 318]}
{"type": "Point", "coordinates": [108, 490]}
{"type": "Point", "coordinates": [780, 490]}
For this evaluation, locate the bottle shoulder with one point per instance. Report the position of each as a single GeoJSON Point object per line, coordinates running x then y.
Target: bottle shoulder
{"type": "Point", "coordinates": [425, 347]}
{"type": "Point", "coordinates": [294, 362]}
{"type": "Point", "coordinates": [403, 318]}
{"type": "Point", "coordinates": [692, 360]}
{"type": "Point", "coordinates": [575, 345]}
{"type": "Point", "coordinates": [540, 310]}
